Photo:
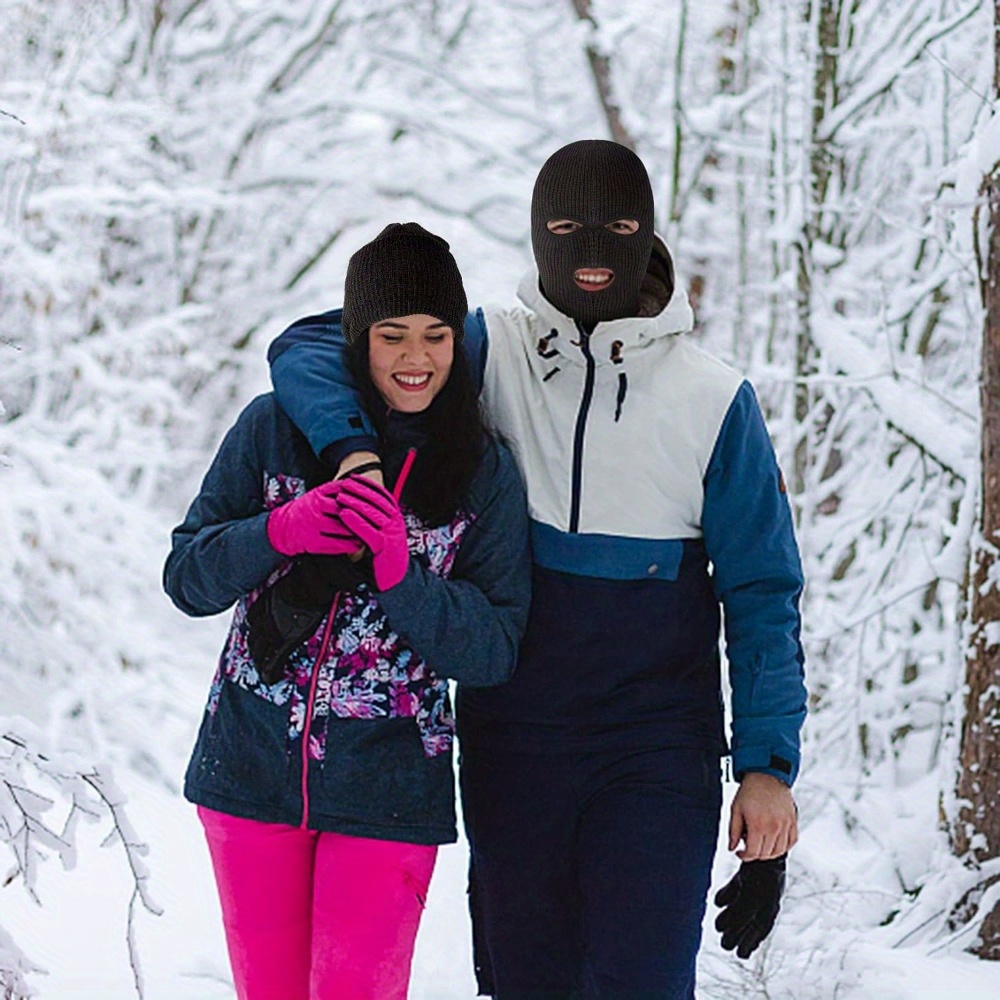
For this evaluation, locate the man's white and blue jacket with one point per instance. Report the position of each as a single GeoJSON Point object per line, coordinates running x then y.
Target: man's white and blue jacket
{"type": "Point", "coordinates": [654, 495]}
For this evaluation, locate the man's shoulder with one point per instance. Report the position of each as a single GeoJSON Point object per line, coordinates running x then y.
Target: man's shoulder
{"type": "Point", "coordinates": [691, 365]}
{"type": "Point", "coordinates": [514, 317]}
{"type": "Point", "coordinates": [693, 356]}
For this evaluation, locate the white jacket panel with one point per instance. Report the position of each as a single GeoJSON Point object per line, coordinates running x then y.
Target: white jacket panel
{"type": "Point", "coordinates": [642, 473]}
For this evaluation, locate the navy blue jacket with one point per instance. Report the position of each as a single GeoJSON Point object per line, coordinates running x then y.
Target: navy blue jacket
{"type": "Point", "coordinates": [654, 496]}
{"type": "Point", "coordinates": [369, 686]}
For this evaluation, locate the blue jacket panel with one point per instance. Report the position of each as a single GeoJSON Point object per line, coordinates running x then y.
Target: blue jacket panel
{"type": "Point", "coordinates": [609, 663]}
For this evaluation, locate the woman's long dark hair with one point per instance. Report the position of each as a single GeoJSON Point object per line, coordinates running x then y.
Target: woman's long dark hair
{"type": "Point", "coordinates": [438, 485]}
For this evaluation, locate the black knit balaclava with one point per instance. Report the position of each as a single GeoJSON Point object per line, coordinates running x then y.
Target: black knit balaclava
{"type": "Point", "coordinates": [593, 182]}
{"type": "Point", "coordinates": [403, 271]}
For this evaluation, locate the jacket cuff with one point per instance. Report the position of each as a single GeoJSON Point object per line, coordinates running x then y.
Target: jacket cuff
{"type": "Point", "coordinates": [765, 761]}
{"type": "Point", "coordinates": [334, 454]}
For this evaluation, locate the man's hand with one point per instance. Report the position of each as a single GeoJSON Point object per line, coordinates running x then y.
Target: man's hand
{"type": "Point", "coordinates": [764, 817]}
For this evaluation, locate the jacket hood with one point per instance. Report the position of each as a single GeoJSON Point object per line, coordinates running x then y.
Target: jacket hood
{"type": "Point", "coordinates": [664, 311]}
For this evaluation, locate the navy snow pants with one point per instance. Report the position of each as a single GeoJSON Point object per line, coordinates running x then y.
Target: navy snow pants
{"type": "Point", "coordinates": [589, 873]}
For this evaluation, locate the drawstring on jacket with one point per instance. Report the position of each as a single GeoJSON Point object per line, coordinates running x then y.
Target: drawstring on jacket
{"type": "Point", "coordinates": [617, 359]}
{"type": "Point", "coordinates": [545, 350]}
{"type": "Point", "coordinates": [622, 391]}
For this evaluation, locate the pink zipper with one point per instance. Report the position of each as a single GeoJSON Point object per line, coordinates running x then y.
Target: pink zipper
{"type": "Point", "coordinates": [307, 726]}
{"type": "Point", "coordinates": [397, 492]}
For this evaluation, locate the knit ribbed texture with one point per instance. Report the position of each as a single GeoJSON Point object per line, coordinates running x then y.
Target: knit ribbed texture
{"type": "Point", "coordinates": [405, 270]}
{"type": "Point", "coordinates": [593, 182]}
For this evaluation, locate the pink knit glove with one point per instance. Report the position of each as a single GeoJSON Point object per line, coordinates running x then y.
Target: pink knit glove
{"type": "Point", "coordinates": [373, 514]}
{"type": "Point", "coordinates": [311, 523]}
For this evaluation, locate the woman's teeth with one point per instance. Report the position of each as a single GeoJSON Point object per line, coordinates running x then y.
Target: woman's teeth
{"type": "Point", "coordinates": [414, 381]}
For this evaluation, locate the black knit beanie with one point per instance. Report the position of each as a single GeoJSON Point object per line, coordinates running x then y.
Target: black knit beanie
{"type": "Point", "coordinates": [593, 182]}
{"type": "Point", "coordinates": [404, 270]}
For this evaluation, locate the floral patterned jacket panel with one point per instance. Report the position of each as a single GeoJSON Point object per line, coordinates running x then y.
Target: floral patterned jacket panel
{"type": "Point", "coordinates": [367, 671]}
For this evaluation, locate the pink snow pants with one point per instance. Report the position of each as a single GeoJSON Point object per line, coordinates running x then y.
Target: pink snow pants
{"type": "Point", "coordinates": [316, 916]}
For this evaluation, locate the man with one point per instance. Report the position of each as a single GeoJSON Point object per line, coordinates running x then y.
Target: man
{"type": "Point", "coordinates": [590, 782]}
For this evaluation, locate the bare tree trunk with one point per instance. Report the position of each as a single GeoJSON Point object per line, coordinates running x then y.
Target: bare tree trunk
{"type": "Point", "coordinates": [977, 833]}
{"type": "Point", "coordinates": [743, 18]}
{"type": "Point", "coordinates": [778, 195]}
{"type": "Point", "coordinates": [675, 168]}
{"type": "Point", "coordinates": [823, 19]}
{"type": "Point", "coordinates": [601, 70]}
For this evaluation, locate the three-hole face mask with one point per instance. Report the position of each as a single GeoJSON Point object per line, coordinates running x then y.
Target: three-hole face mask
{"type": "Point", "coordinates": [595, 183]}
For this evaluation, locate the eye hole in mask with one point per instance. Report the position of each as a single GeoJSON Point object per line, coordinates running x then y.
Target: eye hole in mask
{"type": "Point", "coordinates": [566, 227]}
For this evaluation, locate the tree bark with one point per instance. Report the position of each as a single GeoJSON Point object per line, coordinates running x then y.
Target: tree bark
{"type": "Point", "coordinates": [601, 70]}
{"type": "Point", "coordinates": [976, 834]}
{"type": "Point", "coordinates": [823, 17]}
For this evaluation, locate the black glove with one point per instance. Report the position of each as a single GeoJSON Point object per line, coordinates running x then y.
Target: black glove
{"type": "Point", "coordinates": [750, 901]}
{"type": "Point", "coordinates": [287, 613]}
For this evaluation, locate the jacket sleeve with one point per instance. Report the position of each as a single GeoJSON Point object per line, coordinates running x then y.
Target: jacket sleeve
{"type": "Point", "coordinates": [314, 388]}
{"type": "Point", "coordinates": [468, 627]}
{"type": "Point", "coordinates": [750, 539]}
{"type": "Point", "coordinates": [220, 551]}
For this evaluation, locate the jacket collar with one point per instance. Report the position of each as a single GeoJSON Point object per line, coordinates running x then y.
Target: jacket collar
{"type": "Point", "coordinates": [630, 333]}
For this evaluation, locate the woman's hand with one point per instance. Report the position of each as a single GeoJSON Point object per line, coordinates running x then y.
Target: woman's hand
{"type": "Point", "coordinates": [311, 523]}
{"type": "Point", "coordinates": [373, 514]}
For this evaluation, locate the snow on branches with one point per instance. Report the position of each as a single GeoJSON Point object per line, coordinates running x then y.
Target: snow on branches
{"type": "Point", "coordinates": [44, 796]}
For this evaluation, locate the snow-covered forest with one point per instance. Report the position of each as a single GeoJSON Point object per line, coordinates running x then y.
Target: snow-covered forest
{"type": "Point", "coordinates": [181, 178]}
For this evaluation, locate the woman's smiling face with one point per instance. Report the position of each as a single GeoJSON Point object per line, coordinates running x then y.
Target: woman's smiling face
{"type": "Point", "coordinates": [410, 359]}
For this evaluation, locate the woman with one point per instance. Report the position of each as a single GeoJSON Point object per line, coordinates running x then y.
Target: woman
{"type": "Point", "coordinates": [322, 770]}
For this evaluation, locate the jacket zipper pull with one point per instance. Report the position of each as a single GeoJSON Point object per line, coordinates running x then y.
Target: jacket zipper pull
{"type": "Point", "coordinates": [622, 390]}
{"type": "Point", "coordinates": [404, 472]}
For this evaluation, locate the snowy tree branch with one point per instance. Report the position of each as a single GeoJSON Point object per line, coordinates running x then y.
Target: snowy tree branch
{"type": "Point", "coordinates": [882, 79]}
{"type": "Point", "coordinates": [90, 793]}
{"type": "Point", "coordinates": [929, 424]}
